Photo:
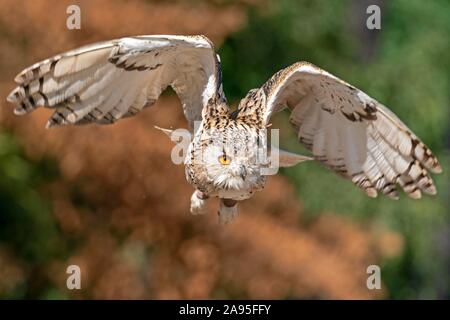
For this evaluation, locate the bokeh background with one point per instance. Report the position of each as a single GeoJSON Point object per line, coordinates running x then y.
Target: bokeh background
{"type": "Point", "coordinates": [109, 199]}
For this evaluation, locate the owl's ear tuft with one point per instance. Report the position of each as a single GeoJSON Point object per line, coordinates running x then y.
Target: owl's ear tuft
{"type": "Point", "coordinates": [214, 110]}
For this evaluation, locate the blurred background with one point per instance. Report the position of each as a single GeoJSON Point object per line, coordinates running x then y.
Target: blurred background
{"type": "Point", "coordinates": [110, 200]}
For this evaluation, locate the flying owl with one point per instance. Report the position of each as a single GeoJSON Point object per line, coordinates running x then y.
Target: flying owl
{"type": "Point", "coordinates": [343, 128]}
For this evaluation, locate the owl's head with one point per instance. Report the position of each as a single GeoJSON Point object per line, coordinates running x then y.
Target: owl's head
{"type": "Point", "coordinates": [229, 159]}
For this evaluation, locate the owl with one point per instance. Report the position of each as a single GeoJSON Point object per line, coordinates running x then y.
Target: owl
{"type": "Point", "coordinates": [228, 156]}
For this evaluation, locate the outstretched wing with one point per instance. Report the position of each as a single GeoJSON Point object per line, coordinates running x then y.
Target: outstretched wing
{"type": "Point", "coordinates": [349, 132]}
{"type": "Point", "coordinates": [104, 82]}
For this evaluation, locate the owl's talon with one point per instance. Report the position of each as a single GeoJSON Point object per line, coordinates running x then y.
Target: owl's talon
{"type": "Point", "coordinates": [198, 203]}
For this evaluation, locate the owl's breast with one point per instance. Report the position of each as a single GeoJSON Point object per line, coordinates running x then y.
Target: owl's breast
{"type": "Point", "coordinates": [242, 190]}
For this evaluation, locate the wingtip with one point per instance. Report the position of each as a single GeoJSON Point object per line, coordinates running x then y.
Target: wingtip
{"type": "Point", "coordinates": [12, 96]}
{"type": "Point", "coordinates": [19, 111]}
{"type": "Point", "coordinates": [19, 78]}
{"type": "Point", "coordinates": [393, 195]}
{"type": "Point", "coordinates": [431, 190]}
{"type": "Point", "coordinates": [372, 192]}
{"type": "Point", "coordinates": [437, 168]}
{"type": "Point", "coordinates": [50, 125]}
{"type": "Point", "coordinates": [415, 195]}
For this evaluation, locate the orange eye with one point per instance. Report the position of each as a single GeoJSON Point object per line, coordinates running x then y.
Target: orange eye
{"type": "Point", "coordinates": [223, 159]}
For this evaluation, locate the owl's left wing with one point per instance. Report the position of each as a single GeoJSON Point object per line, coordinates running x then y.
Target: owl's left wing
{"type": "Point", "coordinates": [348, 131]}
{"type": "Point", "coordinates": [105, 82]}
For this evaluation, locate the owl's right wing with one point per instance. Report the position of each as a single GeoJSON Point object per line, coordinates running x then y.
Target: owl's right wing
{"type": "Point", "coordinates": [104, 82]}
{"type": "Point", "coordinates": [346, 130]}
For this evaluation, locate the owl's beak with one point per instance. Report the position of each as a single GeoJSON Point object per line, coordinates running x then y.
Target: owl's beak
{"type": "Point", "coordinates": [242, 172]}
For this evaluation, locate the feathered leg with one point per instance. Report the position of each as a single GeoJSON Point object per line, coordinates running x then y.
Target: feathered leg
{"type": "Point", "coordinates": [198, 202]}
{"type": "Point", "coordinates": [227, 210]}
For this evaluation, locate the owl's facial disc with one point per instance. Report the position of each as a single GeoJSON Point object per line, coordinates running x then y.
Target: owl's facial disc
{"type": "Point", "coordinates": [227, 169]}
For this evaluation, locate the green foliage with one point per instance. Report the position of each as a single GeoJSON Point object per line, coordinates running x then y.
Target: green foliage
{"type": "Point", "coordinates": [408, 71]}
{"type": "Point", "coordinates": [26, 223]}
